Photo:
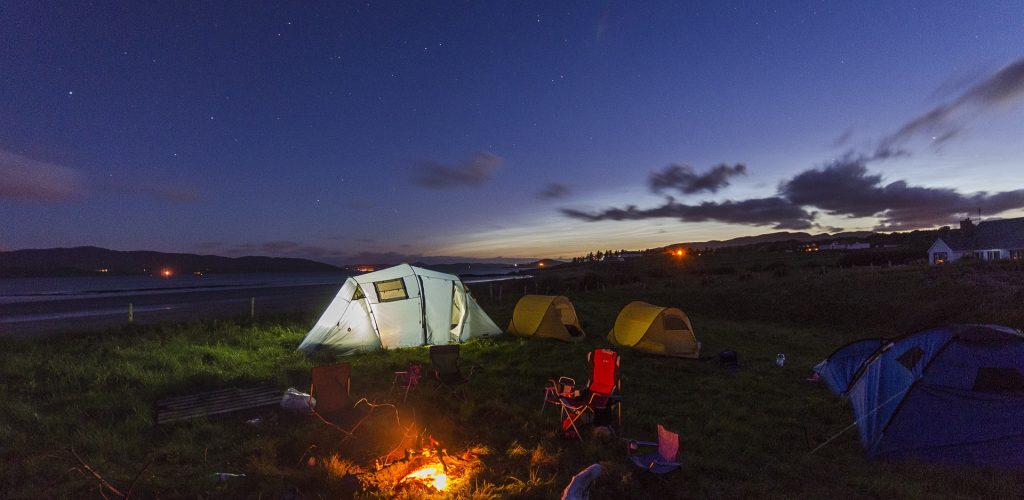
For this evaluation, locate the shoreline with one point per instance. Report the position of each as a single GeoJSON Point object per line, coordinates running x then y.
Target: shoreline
{"type": "Point", "coordinates": [36, 319]}
{"type": "Point", "coordinates": [59, 315]}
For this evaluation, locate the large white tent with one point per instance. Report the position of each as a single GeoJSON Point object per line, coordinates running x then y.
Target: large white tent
{"type": "Point", "coordinates": [401, 306]}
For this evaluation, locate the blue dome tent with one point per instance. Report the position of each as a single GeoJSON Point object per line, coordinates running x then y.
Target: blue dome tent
{"type": "Point", "coordinates": [952, 395]}
{"type": "Point", "coordinates": [843, 365]}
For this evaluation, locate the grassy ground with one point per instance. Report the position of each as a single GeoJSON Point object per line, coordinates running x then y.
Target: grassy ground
{"type": "Point", "coordinates": [745, 433]}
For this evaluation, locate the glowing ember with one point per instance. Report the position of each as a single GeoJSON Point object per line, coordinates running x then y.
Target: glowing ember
{"type": "Point", "coordinates": [432, 475]}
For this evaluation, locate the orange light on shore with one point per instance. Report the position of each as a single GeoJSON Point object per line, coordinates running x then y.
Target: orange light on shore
{"type": "Point", "coordinates": [166, 273]}
{"type": "Point", "coordinates": [541, 264]}
{"type": "Point", "coordinates": [680, 252]}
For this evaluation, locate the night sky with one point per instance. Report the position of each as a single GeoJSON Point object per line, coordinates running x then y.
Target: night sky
{"type": "Point", "coordinates": [351, 132]}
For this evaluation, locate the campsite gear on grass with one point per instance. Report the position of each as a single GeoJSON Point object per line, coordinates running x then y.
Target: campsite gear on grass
{"type": "Point", "coordinates": [655, 329]}
{"type": "Point", "coordinates": [602, 393]}
{"type": "Point", "coordinates": [401, 306]}
{"type": "Point", "coordinates": [331, 387]}
{"type": "Point", "coordinates": [562, 387]}
{"type": "Point", "coordinates": [298, 402]}
{"type": "Point", "coordinates": [780, 359]}
{"type": "Point", "coordinates": [952, 395]}
{"type": "Point", "coordinates": [546, 316]}
{"type": "Point", "coordinates": [579, 487]}
{"type": "Point", "coordinates": [445, 364]}
{"type": "Point", "coordinates": [407, 378]}
{"type": "Point", "coordinates": [662, 460]}
{"type": "Point", "coordinates": [729, 359]}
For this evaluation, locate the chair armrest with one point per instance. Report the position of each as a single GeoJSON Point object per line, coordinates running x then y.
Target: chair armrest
{"type": "Point", "coordinates": [642, 443]}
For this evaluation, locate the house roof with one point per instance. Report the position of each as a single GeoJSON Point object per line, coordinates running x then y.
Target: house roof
{"type": "Point", "coordinates": [991, 234]}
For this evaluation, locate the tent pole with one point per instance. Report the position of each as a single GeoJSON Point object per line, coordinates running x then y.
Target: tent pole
{"type": "Point", "coordinates": [423, 310]}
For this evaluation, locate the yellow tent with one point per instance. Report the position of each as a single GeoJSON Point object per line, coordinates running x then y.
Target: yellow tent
{"type": "Point", "coordinates": [655, 329]}
{"type": "Point", "coordinates": [546, 316]}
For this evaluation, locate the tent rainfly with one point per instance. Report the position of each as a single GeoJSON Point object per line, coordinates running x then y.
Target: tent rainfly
{"type": "Point", "coordinates": [401, 306]}
{"type": "Point", "coordinates": [952, 395]}
{"type": "Point", "coordinates": [655, 329]}
{"type": "Point", "coordinates": [546, 316]}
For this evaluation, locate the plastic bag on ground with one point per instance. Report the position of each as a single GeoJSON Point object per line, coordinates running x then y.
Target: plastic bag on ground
{"type": "Point", "coordinates": [298, 402]}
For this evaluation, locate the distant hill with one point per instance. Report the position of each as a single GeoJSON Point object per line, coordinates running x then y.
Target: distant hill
{"type": "Point", "coordinates": [777, 237]}
{"type": "Point", "coordinates": [93, 261]}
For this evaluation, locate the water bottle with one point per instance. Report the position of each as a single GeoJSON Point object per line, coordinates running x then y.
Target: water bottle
{"type": "Point", "coordinates": [780, 359]}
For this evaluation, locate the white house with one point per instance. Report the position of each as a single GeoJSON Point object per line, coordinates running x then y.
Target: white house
{"type": "Point", "coordinates": [988, 240]}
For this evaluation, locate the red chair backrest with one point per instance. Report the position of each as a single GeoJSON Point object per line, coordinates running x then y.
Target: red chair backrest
{"type": "Point", "coordinates": [330, 387]}
{"type": "Point", "coordinates": [605, 376]}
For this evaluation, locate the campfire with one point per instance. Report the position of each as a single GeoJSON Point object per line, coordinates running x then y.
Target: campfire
{"type": "Point", "coordinates": [433, 475]}
{"type": "Point", "coordinates": [430, 470]}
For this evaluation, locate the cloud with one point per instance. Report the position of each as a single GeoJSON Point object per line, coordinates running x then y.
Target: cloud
{"type": "Point", "coordinates": [775, 211]}
{"type": "Point", "coordinates": [684, 179]}
{"type": "Point", "coordinates": [1003, 88]}
{"type": "Point", "coordinates": [474, 172]}
{"type": "Point", "coordinates": [843, 188]}
{"type": "Point", "coordinates": [26, 179]}
{"type": "Point", "coordinates": [553, 191]}
{"type": "Point", "coordinates": [172, 193]}
{"type": "Point", "coordinates": [846, 188]}
{"type": "Point", "coordinates": [843, 139]}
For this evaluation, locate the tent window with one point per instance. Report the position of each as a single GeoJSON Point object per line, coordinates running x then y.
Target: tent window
{"type": "Point", "coordinates": [673, 323]}
{"type": "Point", "coordinates": [358, 294]}
{"type": "Point", "coordinates": [391, 290]}
{"type": "Point", "coordinates": [910, 358]}
{"type": "Point", "coordinates": [999, 380]}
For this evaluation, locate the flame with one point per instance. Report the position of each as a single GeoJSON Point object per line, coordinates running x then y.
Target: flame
{"type": "Point", "coordinates": [432, 475]}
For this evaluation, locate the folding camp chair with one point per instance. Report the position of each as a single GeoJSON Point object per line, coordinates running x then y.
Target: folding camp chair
{"type": "Point", "coordinates": [664, 458]}
{"type": "Point", "coordinates": [332, 388]}
{"type": "Point", "coordinates": [408, 378]}
{"type": "Point", "coordinates": [445, 362]}
{"type": "Point", "coordinates": [602, 393]}
{"type": "Point", "coordinates": [557, 389]}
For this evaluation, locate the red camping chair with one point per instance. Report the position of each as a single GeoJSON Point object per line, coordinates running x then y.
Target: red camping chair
{"type": "Point", "coordinates": [664, 459]}
{"type": "Point", "coordinates": [602, 392]}
{"type": "Point", "coordinates": [331, 387]}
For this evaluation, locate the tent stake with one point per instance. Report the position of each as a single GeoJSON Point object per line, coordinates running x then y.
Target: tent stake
{"type": "Point", "coordinates": [252, 308]}
{"type": "Point", "coordinates": [131, 313]}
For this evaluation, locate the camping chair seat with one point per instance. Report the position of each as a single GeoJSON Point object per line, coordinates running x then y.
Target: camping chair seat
{"type": "Point", "coordinates": [661, 460]}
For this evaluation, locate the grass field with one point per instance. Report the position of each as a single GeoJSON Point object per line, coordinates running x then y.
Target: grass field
{"type": "Point", "coordinates": [745, 433]}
